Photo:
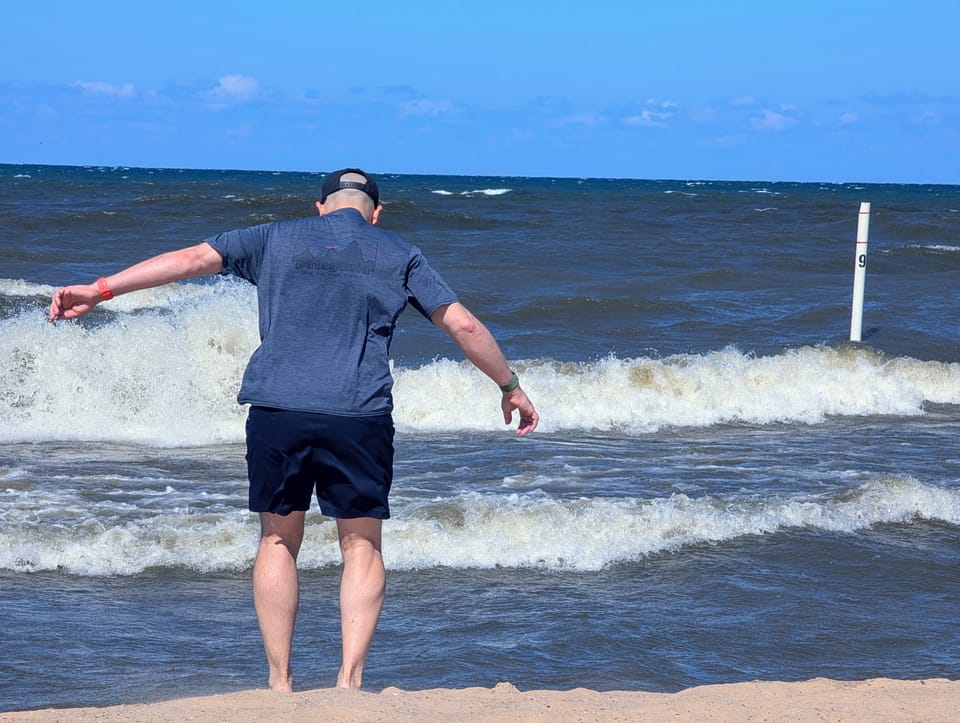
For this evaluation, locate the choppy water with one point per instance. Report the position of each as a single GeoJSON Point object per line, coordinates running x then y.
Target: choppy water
{"type": "Point", "coordinates": [722, 488]}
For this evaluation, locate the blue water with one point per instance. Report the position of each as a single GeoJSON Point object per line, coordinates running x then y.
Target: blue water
{"type": "Point", "coordinates": [723, 487]}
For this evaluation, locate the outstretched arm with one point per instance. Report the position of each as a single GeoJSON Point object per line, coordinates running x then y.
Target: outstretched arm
{"type": "Point", "coordinates": [479, 346]}
{"type": "Point", "coordinates": [73, 301]}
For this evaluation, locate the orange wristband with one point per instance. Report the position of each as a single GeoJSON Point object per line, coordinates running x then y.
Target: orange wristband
{"type": "Point", "coordinates": [104, 290]}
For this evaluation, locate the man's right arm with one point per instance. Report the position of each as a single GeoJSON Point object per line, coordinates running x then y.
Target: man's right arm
{"type": "Point", "coordinates": [73, 301]}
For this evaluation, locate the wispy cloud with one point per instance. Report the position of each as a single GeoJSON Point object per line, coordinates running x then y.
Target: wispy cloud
{"type": "Point", "coordinates": [848, 118]}
{"type": "Point", "coordinates": [899, 99]}
{"type": "Point", "coordinates": [729, 141]}
{"type": "Point", "coordinates": [655, 114]}
{"type": "Point", "coordinates": [233, 89]}
{"type": "Point", "coordinates": [648, 118]}
{"type": "Point", "coordinates": [242, 132]}
{"type": "Point", "coordinates": [770, 120]}
{"type": "Point", "coordinates": [589, 120]}
{"type": "Point", "coordinates": [928, 118]}
{"type": "Point", "coordinates": [425, 107]}
{"type": "Point", "coordinates": [705, 114]}
{"type": "Point", "coordinates": [655, 103]}
{"type": "Point", "coordinates": [97, 87]}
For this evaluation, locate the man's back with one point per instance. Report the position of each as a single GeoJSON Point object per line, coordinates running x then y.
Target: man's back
{"type": "Point", "coordinates": [330, 291]}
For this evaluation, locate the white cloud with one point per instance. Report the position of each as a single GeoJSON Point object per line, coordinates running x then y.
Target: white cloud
{"type": "Point", "coordinates": [649, 118]}
{"type": "Point", "coordinates": [770, 120]}
{"type": "Point", "coordinates": [242, 132]}
{"type": "Point", "coordinates": [929, 118]}
{"type": "Point", "coordinates": [655, 114]}
{"type": "Point", "coordinates": [706, 114]}
{"type": "Point", "coordinates": [426, 107]}
{"type": "Point", "coordinates": [127, 90]}
{"type": "Point", "coordinates": [743, 100]}
{"type": "Point", "coordinates": [724, 141]}
{"type": "Point", "coordinates": [233, 89]}
{"type": "Point", "coordinates": [848, 118]}
{"type": "Point", "coordinates": [654, 103]}
{"type": "Point", "coordinates": [591, 120]}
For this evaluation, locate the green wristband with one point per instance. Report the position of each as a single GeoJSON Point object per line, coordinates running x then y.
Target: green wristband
{"type": "Point", "coordinates": [511, 385]}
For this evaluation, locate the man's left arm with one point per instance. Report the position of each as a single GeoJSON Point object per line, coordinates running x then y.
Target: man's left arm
{"type": "Point", "coordinates": [479, 346]}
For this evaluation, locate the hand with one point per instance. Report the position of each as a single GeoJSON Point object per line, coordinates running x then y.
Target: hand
{"type": "Point", "coordinates": [517, 399]}
{"type": "Point", "coordinates": [73, 301]}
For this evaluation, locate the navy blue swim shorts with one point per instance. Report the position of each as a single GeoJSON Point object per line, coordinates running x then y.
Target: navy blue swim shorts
{"type": "Point", "coordinates": [346, 461]}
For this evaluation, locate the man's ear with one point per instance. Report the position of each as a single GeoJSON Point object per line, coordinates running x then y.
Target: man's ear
{"type": "Point", "coordinates": [376, 214]}
{"type": "Point", "coordinates": [320, 208]}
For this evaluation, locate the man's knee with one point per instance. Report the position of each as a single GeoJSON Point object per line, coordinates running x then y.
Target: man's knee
{"type": "Point", "coordinates": [286, 530]}
{"type": "Point", "coordinates": [359, 537]}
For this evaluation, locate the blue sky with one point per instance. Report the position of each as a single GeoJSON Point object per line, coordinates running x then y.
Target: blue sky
{"type": "Point", "coordinates": [844, 91]}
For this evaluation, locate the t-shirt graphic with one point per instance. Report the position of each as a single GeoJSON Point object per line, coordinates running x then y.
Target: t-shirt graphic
{"type": "Point", "coordinates": [350, 259]}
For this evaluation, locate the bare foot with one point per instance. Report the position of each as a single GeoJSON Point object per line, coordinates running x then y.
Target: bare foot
{"type": "Point", "coordinates": [282, 686]}
{"type": "Point", "coordinates": [349, 681]}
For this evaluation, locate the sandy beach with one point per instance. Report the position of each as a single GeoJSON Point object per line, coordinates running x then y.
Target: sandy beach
{"type": "Point", "coordinates": [814, 700]}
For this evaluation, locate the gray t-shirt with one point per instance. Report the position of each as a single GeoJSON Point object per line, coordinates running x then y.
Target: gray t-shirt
{"type": "Point", "coordinates": [330, 289]}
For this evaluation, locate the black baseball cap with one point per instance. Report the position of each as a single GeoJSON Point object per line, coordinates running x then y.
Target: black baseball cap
{"type": "Point", "coordinates": [332, 184]}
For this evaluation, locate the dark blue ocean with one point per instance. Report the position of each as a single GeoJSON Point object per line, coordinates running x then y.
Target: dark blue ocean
{"type": "Point", "coordinates": [723, 488]}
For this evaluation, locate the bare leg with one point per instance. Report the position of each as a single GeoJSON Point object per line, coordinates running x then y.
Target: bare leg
{"type": "Point", "coordinates": [362, 588]}
{"type": "Point", "coordinates": [276, 591]}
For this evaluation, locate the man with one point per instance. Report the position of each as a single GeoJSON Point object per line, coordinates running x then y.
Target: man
{"type": "Point", "coordinates": [330, 289]}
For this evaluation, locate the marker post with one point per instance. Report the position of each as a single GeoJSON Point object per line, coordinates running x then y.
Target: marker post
{"type": "Point", "coordinates": [860, 271]}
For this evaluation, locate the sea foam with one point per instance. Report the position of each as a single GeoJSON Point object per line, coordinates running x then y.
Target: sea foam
{"type": "Point", "coordinates": [162, 367]}
{"type": "Point", "coordinates": [469, 530]}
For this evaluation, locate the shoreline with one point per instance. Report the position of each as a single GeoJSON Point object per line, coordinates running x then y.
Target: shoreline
{"type": "Point", "coordinates": [934, 699]}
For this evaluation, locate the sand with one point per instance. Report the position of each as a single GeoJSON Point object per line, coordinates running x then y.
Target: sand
{"type": "Point", "coordinates": [814, 700]}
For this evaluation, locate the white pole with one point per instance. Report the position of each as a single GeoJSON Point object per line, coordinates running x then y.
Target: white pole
{"type": "Point", "coordinates": [860, 271]}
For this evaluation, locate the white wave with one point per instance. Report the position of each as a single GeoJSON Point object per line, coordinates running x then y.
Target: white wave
{"type": "Point", "coordinates": [475, 192]}
{"type": "Point", "coordinates": [762, 191]}
{"type": "Point", "coordinates": [170, 295]}
{"type": "Point", "coordinates": [589, 534]}
{"type": "Point", "coordinates": [486, 192]}
{"type": "Point", "coordinates": [18, 287]}
{"type": "Point", "coordinates": [162, 367]}
{"type": "Point", "coordinates": [164, 370]}
{"type": "Point", "coordinates": [642, 395]}
{"type": "Point", "coordinates": [940, 248]}
{"type": "Point", "coordinates": [202, 542]}
{"type": "Point", "coordinates": [472, 530]}
{"type": "Point", "coordinates": [145, 381]}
